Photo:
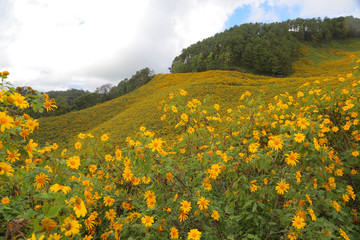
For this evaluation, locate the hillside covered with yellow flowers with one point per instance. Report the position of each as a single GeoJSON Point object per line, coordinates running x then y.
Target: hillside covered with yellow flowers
{"type": "Point", "coordinates": [211, 155]}
{"type": "Point", "coordinates": [124, 115]}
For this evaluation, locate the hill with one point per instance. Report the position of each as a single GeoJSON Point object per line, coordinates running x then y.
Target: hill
{"type": "Point", "coordinates": [126, 114]}
{"type": "Point", "coordinates": [263, 48]}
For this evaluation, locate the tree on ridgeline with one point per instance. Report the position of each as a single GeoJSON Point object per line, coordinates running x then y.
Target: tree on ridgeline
{"type": "Point", "coordinates": [263, 48]}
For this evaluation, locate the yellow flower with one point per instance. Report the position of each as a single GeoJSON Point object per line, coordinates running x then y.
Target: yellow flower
{"type": "Point", "coordinates": [266, 181]}
{"type": "Point", "coordinates": [24, 133]}
{"type": "Point", "coordinates": [127, 174]}
{"type": "Point", "coordinates": [183, 92]}
{"type": "Point", "coordinates": [57, 187]}
{"type": "Point", "coordinates": [194, 234]}
{"type": "Point", "coordinates": [174, 109]}
{"type": "Point", "coordinates": [185, 117]}
{"type": "Point", "coordinates": [49, 105]}
{"type": "Point", "coordinates": [156, 144]}
{"type": "Point", "coordinates": [147, 221]}
{"type": "Point", "coordinates": [5, 200]}
{"type": "Point", "coordinates": [183, 216]}
{"type": "Point", "coordinates": [276, 143]}
{"type": "Point", "coordinates": [19, 100]}
{"type": "Point", "coordinates": [282, 187]}
{"type": "Point", "coordinates": [73, 162]}
{"type": "Point", "coordinates": [185, 206]}
{"type": "Point", "coordinates": [302, 123]}
{"type": "Point", "coordinates": [109, 158]}
{"type": "Point", "coordinates": [335, 129]}
{"type": "Point", "coordinates": [33, 237]}
{"type": "Point", "coordinates": [203, 203]}
{"type": "Point", "coordinates": [298, 222]}
{"type": "Point", "coordinates": [254, 188]}
{"type": "Point", "coordinates": [299, 137]}
{"type": "Point", "coordinates": [2, 93]}
{"type": "Point", "coordinates": [308, 198]}
{"type": "Point", "coordinates": [13, 156]}
{"type": "Point", "coordinates": [6, 121]}
{"type": "Point", "coordinates": [149, 195]}
{"type": "Point", "coordinates": [151, 203]}
{"type": "Point", "coordinates": [105, 137]}
{"type": "Point", "coordinates": [70, 227]}
{"type": "Point", "coordinates": [31, 147]}
{"type": "Point", "coordinates": [336, 205]}
{"type": "Point", "coordinates": [79, 207]}
{"type": "Point", "coordinates": [163, 118]}
{"type": "Point", "coordinates": [78, 145]}
{"type": "Point", "coordinates": [47, 224]}
{"type": "Point", "coordinates": [253, 147]}
{"type": "Point", "coordinates": [146, 180]}
{"type": "Point", "coordinates": [350, 190]}
{"type": "Point", "coordinates": [332, 182]}
{"type": "Point", "coordinates": [215, 215]}
{"type": "Point", "coordinates": [292, 236]}
{"type": "Point", "coordinates": [41, 180]}
{"type": "Point", "coordinates": [343, 234]}
{"type": "Point", "coordinates": [54, 236]}
{"type": "Point", "coordinates": [169, 177]}
{"type": "Point", "coordinates": [217, 107]}
{"type": "Point", "coordinates": [127, 205]}
{"type": "Point", "coordinates": [81, 135]}
{"type": "Point", "coordinates": [89, 222]}
{"type": "Point", "coordinates": [108, 201]}
{"type": "Point", "coordinates": [174, 233]}
{"type": "Point", "coordinates": [110, 215]}
{"type": "Point", "coordinates": [292, 158]}
{"type": "Point", "coordinates": [87, 237]}
{"type": "Point", "coordinates": [312, 215]}
{"type": "Point", "coordinates": [92, 168]}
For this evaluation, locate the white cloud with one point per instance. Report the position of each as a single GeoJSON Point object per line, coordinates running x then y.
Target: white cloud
{"type": "Point", "coordinates": [86, 43]}
{"type": "Point", "coordinates": [260, 14]}
{"type": "Point", "coordinates": [56, 43]}
{"type": "Point", "coordinates": [322, 8]}
{"type": "Point", "coordinates": [329, 8]}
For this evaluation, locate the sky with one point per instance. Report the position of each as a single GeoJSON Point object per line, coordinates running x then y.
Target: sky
{"type": "Point", "coordinates": [83, 44]}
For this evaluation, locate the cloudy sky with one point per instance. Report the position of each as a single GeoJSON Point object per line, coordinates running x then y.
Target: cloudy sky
{"type": "Point", "coordinates": [83, 44]}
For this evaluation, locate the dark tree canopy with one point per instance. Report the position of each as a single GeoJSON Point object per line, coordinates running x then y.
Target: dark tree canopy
{"type": "Point", "coordinates": [263, 48]}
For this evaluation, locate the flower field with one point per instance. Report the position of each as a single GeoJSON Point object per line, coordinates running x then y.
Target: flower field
{"type": "Point", "coordinates": [247, 160]}
{"type": "Point", "coordinates": [122, 116]}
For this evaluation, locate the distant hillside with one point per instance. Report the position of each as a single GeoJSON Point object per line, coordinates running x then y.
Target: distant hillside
{"type": "Point", "coordinates": [264, 48]}
{"type": "Point", "coordinates": [124, 115]}
{"type": "Point", "coordinates": [74, 99]}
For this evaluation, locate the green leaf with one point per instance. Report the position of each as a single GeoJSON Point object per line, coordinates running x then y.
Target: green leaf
{"type": "Point", "coordinates": [45, 195]}
{"type": "Point", "coordinates": [254, 207]}
{"type": "Point", "coordinates": [248, 203]}
{"type": "Point", "coordinates": [53, 212]}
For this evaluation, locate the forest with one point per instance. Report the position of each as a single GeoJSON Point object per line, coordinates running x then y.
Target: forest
{"type": "Point", "coordinates": [262, 48]}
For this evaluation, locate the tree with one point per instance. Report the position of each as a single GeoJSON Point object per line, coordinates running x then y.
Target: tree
{"type": "Point", "coordinates": [104, 89]}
